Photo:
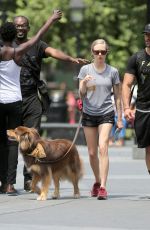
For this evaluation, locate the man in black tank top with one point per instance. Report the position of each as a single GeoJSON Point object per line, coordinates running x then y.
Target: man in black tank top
{"type": "Point", "coordinates": [32, 61]}
{"type": "Point", "coordinates": [138, 69]}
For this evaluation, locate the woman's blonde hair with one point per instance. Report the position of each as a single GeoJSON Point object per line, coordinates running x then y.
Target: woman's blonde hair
{"type": "Point", "coordinates": [99, 41]}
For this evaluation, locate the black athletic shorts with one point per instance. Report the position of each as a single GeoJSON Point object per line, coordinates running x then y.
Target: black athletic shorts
{"type": "Point", "coordinates": [142, 129]}
{"type": "Point", "coordinates": [95, 121]}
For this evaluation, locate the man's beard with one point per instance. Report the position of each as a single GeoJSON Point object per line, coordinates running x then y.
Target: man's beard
{"type": "Point", "coordinates": [21, 36]}
{"type": "Point", "coordinates": [147, 44]}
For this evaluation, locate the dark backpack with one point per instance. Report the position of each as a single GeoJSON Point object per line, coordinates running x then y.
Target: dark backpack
{"type": "Point", "coordinates": [140, 56]}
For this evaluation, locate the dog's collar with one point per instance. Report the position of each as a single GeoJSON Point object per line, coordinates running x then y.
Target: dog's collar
{"type": "Point", "coordinates": [38, 152]}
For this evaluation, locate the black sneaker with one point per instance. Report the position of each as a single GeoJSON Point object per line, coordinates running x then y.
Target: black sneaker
{"type": "Point", "coordinates": [27, 186]}
{"type": "Point", "coordinates": [3, 188]}
{"type": "Point", "coordinates": [11, 191]}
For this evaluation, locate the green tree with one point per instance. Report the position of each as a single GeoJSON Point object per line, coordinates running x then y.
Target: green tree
{"type": "Point", "coordinates": [120, 22]}
{"type": "Point", "coordinates": [7, 6]}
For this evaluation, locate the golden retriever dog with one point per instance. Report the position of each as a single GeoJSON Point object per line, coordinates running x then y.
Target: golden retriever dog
{"type": "Point", "coordinates": [47, 160]}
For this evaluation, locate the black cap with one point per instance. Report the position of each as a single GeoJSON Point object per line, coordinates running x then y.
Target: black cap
{"type": "Point", "coordinates": [147, 29]}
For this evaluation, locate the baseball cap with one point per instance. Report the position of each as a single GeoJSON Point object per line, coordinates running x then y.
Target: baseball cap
{"type": "Point", "coordinates": [147, 29]}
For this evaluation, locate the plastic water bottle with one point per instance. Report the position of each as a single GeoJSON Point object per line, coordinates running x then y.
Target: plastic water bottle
{"type": "Point", "coordinates": [116, 135]}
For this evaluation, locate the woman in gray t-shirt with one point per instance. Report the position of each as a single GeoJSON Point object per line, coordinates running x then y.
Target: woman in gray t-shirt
{"type": "Point", "coordinates": [96, 82]}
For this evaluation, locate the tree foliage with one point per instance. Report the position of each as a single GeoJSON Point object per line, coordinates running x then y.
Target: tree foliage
{"type": "Point", "coordinates": [120, 22]}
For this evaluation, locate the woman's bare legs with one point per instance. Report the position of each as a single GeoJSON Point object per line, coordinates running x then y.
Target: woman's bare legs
{"type": "Point", "coordinates": [91, 135]}
{"type": "Point", "coordinates": [104, 133]}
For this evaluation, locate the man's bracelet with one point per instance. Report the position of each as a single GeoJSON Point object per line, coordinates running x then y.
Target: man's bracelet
{"type": "Point", "coordinates": [126, 108]}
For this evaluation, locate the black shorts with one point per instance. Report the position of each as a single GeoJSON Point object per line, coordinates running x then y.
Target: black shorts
{"type": "Point", "coordinates": [142, 129]}
{"type": "Point", "coordinates": [95, 121]}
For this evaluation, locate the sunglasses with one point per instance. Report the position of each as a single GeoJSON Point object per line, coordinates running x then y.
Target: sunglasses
{"type": "Point", "coordinates": [96, 52]}
{"type": "Point", "coordinates": [24, 26]}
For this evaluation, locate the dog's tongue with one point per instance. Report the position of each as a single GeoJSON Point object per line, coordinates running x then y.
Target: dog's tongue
{"type": "Point", "coordinates": [11, 139]}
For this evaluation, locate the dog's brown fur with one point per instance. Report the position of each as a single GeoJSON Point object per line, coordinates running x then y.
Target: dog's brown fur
{"type": "Point", "coordinates": [69, 167]}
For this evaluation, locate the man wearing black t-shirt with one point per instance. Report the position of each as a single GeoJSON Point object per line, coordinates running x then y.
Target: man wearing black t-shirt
{"type": "Point", "coordinates": [138, 69]}
{"type": "Point", "coordinates": [32, 110]}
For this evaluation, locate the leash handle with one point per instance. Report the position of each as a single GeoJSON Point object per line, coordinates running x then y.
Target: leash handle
{"type": "Point", "coordinates": [79, 104]}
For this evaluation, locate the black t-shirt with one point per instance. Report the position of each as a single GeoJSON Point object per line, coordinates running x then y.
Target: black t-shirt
{"type": "Point", "coordinates": [31, 66]}
{"type": "Point", "coordinates": [139, 65]}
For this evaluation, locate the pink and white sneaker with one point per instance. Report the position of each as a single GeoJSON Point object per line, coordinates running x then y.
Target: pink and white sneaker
{"type": "Point", "coordinates": [102, 194]}
{"type": "Point", "coordinates": [95, 189]}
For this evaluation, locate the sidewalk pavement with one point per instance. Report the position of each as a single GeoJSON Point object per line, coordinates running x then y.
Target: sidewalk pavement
{"type": "Point", "coordinates": [127, 207]}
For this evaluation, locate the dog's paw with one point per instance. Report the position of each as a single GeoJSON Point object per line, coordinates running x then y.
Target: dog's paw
{"type": "Point", "coordinates": [76, 196]}
{"type": "Point", "coordinates": [42, 197]}
{"type": "Point", "coordinates": [55, 196]}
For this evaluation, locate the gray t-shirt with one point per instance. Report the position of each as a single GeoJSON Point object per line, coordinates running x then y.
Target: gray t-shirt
{"type": "Point", "coordinates": [97, 101]}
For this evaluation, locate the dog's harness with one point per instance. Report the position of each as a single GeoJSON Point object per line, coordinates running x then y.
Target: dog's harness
{"type": "Point", "coordinates": [39, 148]}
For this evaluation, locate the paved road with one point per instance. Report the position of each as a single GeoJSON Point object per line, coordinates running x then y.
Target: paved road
{"type": "Point", "coordinates": [127, 207]}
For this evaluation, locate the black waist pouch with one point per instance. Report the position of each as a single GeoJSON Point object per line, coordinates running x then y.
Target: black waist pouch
{"type": "Point", "coordinates": [44, 97]}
